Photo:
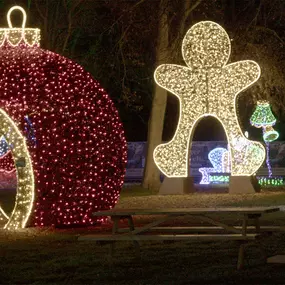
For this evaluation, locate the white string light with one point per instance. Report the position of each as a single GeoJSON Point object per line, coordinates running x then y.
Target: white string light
{"type": "Point", "coordinates": [207, 86]}
{"type": "Point", "coordinates": [25, 175]}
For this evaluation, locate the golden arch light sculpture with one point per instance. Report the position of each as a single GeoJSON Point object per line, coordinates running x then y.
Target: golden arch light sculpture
{"type": "Point", "coordinates": [207, 86]}
{"type": "Point", "coordinates": [25, 175]}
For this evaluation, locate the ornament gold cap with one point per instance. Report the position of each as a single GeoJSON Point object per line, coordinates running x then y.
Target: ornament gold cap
{"type": "Point", "coordinates": [262, 102]}
{"type": "Point", "coordinates": [17, 36]}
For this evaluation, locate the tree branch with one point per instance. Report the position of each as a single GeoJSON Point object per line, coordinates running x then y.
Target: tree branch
{"type": "Point", "coordinates": [272, 32]}
{"type": "Point", "coordinates": [254, 20]}
{"type": "Point", "coordinates": [69, 19]}
{"type": "Point", "coordinates": [132, 8]}
{"type": "Point", "coordinates": [190, 10]}
{"type": "Point", "coordinates": [39, 10]}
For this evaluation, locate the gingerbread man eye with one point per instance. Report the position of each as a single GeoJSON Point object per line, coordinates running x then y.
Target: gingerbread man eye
{"type": "Point", "coordinates": [206, 45]}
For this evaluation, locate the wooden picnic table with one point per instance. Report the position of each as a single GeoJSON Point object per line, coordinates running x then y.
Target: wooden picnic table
{"type": "Point", "coordinates": [217, 230]}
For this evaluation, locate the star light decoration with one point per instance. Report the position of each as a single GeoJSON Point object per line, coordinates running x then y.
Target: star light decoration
{"type": "Point", "coordinates": [207, 86]}
{"type": "Point", "coordinates": [64, 133]}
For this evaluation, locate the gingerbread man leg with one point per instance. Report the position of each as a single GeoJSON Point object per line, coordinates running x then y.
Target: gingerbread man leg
{"type": "Point", "coordinates": [242, 150]}
{"type": "Point", "coordinates": [172, 157]}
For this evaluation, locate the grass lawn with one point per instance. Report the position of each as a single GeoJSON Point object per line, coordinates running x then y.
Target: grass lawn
{"type": "Point", "coordinates": [54, 256]}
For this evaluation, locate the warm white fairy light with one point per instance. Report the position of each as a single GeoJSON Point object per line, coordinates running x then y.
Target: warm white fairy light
{"type": "Point", "coordinates": [25, 176]}
{"type": "Point", "coordinates": [16, 36]}
{"type": "Point", "coordinates": [3, 216]}
{"type": "Point", "coordinates": [207, 86]}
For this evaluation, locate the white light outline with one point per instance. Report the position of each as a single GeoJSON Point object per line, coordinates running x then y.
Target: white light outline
{"type": "Point", "coordinates": [271, 132]}
{"type": "Point", "coordinates": [3, 213]}
{"type": "Point", "coordinates": [185, 170]}
{"type": "Point", "coordinates": [5, 33]}
{"type": "Point", "coordinates": [9, 16]}
{"type": "Point", "coordinates": [14, 221]}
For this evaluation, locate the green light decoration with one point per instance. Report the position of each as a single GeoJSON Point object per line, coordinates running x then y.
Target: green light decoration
{"type": "Point", "coordinates": [274, 181]}
{"type": "Point", "coordinates": [218, 179]}
{"type": "Point", "coordinates": [263, 117]}
{"type": "Point", "coordinates": [262, 180]}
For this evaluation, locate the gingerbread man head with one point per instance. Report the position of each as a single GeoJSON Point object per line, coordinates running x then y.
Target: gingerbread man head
{"type": "Point", "coordinates": [206, 45]}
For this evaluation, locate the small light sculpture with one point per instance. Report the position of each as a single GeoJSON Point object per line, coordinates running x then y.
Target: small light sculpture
{"type": "Point", "coordinates": [219, 158]}
{"type": "Point", "coordinates": [263, 117]}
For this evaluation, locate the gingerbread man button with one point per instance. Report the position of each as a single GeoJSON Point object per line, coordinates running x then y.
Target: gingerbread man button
{"type": "Point", "coordinates": [207, 86]}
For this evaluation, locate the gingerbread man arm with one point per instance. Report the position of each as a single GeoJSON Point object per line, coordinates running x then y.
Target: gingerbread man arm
{"type": "Point", "coordinates": [175, 78]}
{"type": "Point", "coordinates": [240, 75]}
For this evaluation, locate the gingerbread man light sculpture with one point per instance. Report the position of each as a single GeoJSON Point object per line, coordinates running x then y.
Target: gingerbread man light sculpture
{"type": "Point", "coordinates": [207, 86]}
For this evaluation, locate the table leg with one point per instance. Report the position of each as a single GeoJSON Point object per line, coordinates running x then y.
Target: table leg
{"type": "Point", "coordinates": [135, 242]}
{"type": "Point", "coordinates": [257, 225]}
{"type": "Point", "coordinates": [242, 248]}
{"type": "Point", "coordinates": [255, 217]}
{"type": "Point", "coordinates": [244, 225]}
{"type": "Point", "coordinates": [256, 222]}
{"type": "Point", "coordinates": [131, 223]}
{"type": "Point", "coordinates": [115, 230]}
{"type": "Point", "coordinates": [240, 263]}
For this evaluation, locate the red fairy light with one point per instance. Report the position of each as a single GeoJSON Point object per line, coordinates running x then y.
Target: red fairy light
{"type": "Point", "coordinates": [70, 121]}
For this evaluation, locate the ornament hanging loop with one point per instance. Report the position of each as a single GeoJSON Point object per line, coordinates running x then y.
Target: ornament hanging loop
{"type": "Point", "coordinates": [9, 16]}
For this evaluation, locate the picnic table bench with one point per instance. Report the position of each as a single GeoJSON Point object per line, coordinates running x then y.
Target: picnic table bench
{"type": "Point", "coordinates": [216, 231]}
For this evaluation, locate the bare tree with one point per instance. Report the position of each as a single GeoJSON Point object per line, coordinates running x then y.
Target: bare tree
{"type": "Point", "coordinates": [164, 53]}
{"type": "Point", "coordinates": [58, 17]}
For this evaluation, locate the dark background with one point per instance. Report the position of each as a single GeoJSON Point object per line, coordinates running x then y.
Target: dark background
{"type": "Point", "coordinates": [115, 41]}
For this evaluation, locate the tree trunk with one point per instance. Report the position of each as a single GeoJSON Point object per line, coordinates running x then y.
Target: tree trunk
{"type": "Point", "coordinates": [151, 179]}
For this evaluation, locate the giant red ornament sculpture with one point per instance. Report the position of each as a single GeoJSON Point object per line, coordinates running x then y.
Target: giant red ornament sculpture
{"type": "Point", "coordinates": [64, 132]}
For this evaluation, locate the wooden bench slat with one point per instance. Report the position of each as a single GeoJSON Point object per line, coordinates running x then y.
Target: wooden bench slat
{"type": "Point", "coordinates": [200, 237]}
{"type": "Point", "coordinates": [187, 211]}
{"type": "Point", "coordinates": [206, 229]}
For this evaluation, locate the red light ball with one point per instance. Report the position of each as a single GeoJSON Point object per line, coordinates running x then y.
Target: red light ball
{"type": "Point", "coordinates": [74, 135]}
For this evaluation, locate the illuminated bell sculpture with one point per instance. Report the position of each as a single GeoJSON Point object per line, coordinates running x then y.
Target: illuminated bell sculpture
{"type": "Point", "coordinates": [262, 117]}
{"type": "Point", "coordinates": [66, 138]}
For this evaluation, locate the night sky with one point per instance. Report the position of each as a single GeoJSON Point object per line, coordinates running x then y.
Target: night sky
{"type": "Point", "coordinates": [116, 44]}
